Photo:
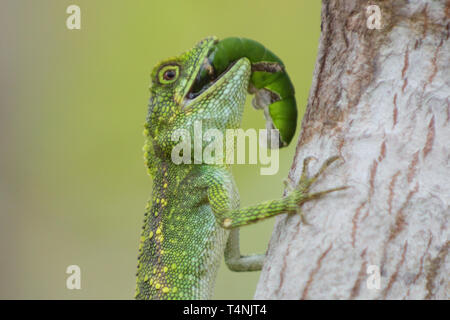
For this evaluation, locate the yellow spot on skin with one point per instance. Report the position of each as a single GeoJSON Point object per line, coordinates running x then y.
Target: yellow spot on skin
{"type": "Point", "coordinates": [227, 222]}
{"type": "Point", "coordinates": [154, 270]}
{"type": "Point", "coordinates": [151, 281]}
{"type": "Point", "coordinates": [158, 231]}
{"type": "Point", "coordinates": [165, 185]}
{"type": "Point", "coordinates": [156, 213]}
{"type": "Point", "coordinates": [165, 290]}
{"type": "Point", "coordinates": [150, 235]}
{"type": "Point", "coordinates": [146, 278]}
{"type": "Point", "coordinates": [174, 266]}
{"type": "Point", "coordinates": [165, 269]}
{"type": "Point", "coordinates": [165, 174]}
{"type": "Point", "coordinates": [157, 200]}
{"type": "Point", "coordinates": [157, 286]}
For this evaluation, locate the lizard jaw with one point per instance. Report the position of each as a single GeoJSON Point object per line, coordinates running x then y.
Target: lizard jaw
{"type": "Point", "coordinates": [193, 96]}
{"type": "Point", "coordinates": [197, 55]}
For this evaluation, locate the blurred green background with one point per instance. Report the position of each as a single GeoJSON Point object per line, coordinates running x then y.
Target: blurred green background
{"type": "Point", "coordinates": [73, 103]}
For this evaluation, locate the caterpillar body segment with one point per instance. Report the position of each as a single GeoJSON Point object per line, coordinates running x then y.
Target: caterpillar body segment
{"type": "Point", "coordinates": [269, 82]}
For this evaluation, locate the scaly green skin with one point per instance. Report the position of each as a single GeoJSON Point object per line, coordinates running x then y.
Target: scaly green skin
{"type": "Point", "coordinates": [193, 206]}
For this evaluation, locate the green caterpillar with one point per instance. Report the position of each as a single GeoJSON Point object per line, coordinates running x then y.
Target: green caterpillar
{"type": "Point", "coordinates": [269, 82]}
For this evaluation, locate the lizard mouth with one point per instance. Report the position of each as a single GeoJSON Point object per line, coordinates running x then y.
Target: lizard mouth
{"type": "Point", "coordinates": [206, 77]}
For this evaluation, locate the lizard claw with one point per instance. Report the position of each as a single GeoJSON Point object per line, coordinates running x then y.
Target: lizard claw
{"type": "Point", "coordinates": [288, 185]}
{"type": "Point", "coordinates": [306, 162]}
{"type": "Point", "coordinates": [299, 211]}
{"type": "Point", "coordinates": [300, 194]}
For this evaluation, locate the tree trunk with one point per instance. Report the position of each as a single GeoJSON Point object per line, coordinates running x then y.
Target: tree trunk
{"type": "Point", "coordinates": [380, 100]}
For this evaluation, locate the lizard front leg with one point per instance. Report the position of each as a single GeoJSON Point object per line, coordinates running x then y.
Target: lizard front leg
{"type": "Point", "coordinates": [229, 218]}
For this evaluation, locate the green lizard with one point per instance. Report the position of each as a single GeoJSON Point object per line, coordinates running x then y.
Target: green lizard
{"type": "Point", "coordinates": [192, 219]}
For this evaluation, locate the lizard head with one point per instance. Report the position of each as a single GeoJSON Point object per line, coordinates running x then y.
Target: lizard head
{"type": "Point", "coordinates": [183, 92]}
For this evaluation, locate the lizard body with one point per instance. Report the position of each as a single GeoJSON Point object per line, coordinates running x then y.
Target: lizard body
{"type": "Point", "coordinates": [193, 207]}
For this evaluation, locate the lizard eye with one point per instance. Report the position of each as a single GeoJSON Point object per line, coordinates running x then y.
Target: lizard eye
{"type": "Point", "coordinates": [168, 74]}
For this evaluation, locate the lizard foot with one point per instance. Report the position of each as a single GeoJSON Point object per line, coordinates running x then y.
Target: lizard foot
{"type": "Point", "coordinates": [300, 194]}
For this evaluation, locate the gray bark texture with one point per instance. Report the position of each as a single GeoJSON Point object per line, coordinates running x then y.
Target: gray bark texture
{"type": "Point", "coordinates": [380, 100]}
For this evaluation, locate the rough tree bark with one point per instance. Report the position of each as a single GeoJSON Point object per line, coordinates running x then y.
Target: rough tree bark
{"type": "Point", "coordinates": [380, 100]}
